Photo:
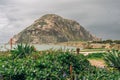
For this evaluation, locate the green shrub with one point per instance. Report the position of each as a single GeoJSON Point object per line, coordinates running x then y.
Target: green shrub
{"type": "Point", "coordinates": [95, 56]}
{"type": "Point", "coordinates": [112, 59]}
{"type": "Point", "coordinates": [53, 65]}
{"type": "Point", "coordinates": [93, 73]}
{"type": "Point", "coordinates": [22, 51]}
{"type": "Point", "coordinates": [49, 65]}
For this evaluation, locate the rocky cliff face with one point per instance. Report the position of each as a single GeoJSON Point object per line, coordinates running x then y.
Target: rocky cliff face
{"type": "Point", "coordinates": [52, 28]}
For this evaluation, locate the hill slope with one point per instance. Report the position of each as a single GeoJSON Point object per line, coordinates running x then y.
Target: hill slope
{"type": "Point", "coordinates": [52, 28]}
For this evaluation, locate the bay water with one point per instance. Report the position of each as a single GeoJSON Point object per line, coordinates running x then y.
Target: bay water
{"type": "Point", "coordinates": [40, 47]}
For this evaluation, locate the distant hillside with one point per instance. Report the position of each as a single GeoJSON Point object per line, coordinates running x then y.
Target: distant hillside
{"type": "Point", "coordinates": [52, 28]}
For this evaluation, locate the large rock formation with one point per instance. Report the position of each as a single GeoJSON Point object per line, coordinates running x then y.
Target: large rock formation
{"type": "Point", "coordinates": [52, 28]}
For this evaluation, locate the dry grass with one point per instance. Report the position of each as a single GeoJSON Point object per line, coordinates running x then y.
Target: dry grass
{"type": "Point", "coordinates": [97, 62]}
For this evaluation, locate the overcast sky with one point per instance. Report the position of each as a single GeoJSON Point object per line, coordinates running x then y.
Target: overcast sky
{"type": "Point", "coordinates": [100, 17]}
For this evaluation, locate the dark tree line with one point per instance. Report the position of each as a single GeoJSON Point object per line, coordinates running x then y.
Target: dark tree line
{"type": "Point", "coordinates": [108, 41]}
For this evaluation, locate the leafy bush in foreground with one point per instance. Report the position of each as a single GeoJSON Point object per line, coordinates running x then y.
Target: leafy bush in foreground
{"type": "Point", "coordinates": [112, 59]}
{"type": "Point", "coordinates": [22, 51]}
{"type": "Point", "coordinates": [93, 73]}
{"type": "Point", "coordinates": [47, 65]}
{"type": "Point", "coordinates": [53, 65]}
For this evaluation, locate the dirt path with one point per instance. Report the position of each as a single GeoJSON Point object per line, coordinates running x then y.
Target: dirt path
{"type": "Point", "coordinates": [97, 63]}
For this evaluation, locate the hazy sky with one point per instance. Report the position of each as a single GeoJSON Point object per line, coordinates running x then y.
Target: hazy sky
{"type": "Point", "coordinates": [100, 17]}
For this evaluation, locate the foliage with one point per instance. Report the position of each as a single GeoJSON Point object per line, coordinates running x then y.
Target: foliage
{"type": "Point", "coordinates": [117, 41]}
{"type": "Point", "coordinates": [4, 54]}
{"type": "Point", "coordinates": [112, 59]}
{"type": "Point", "coordinates": [95, 56]}
{"type": "Point", "coordinates": [22, 50]}
{"type": "Point", "coordinates": [78, 62]}
{"type": "Point", "coordinates": [47, 65]}
{"type": "Point", "coordinates": [107, 41]}
{"type": "Point", "coordinates": [52, 65]}
{"type": "Point", "coordinates": [93, 73]}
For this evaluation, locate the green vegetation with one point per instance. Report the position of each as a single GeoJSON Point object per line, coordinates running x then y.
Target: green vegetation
{"type": "Point", "coordinates": [23, 63]}
{"type": "Point", "coordinates": [113, 59]}
{"type": "Point", "coordinates": [93, 73]}
{"type": "Point", "coordinates": [108, 41]}
{"type": "Point", "coordinates": [47, 65]}
{"type": "Point", "coordinates": [95, 56]}
{"type": "Point", "coordinates": [22, 51]}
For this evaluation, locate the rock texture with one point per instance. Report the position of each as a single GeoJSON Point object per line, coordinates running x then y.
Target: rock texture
{"type": "Point", "coordinates": [52, 28]}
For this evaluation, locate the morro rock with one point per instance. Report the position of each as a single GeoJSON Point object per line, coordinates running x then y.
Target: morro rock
{"type": "Point", "coordinates": [52, 28]}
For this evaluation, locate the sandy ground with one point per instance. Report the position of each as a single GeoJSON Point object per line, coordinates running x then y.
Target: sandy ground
{"type": "Point", "coordinates": [97, 63]}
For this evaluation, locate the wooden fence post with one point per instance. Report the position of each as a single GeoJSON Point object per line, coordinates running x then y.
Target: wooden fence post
{"type": "Point", "coordinates": [77, 50]}
{"type": "Point", "coordinates": [11, 43]}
